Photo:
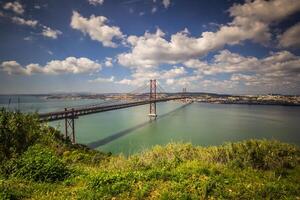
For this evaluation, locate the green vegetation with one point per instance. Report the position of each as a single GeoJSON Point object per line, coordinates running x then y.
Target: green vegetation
{"type": "Point", "coordinates": [37, 163]}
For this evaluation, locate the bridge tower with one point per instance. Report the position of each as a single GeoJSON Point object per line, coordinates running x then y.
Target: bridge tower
{"type": "Point", "coordinates": [183, 91]}
{"type": "Point", "coordinates": [70, 125]}
{"type": "Point", "coordinates": [183, 94]}
{"type": "Point", "coordinates": [152, 98]}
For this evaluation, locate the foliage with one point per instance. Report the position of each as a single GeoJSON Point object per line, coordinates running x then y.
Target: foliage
{"type": "Point", "coordinates": [40, 164]}
{"type": "Point", "coordinates": [50, 167]}
{"type": "Point", "coordinates": [260, 154]}
{"type": "Point", "coordinates": [17, 132]}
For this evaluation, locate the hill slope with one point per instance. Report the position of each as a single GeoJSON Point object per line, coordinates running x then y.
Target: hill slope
{"type": "Point", "coordinates": [37, 163]}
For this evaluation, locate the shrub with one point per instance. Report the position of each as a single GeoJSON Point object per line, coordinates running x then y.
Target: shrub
{"type": "Point", "coordinates": [258, 154]}
{"type": "Point", "coordinates": [82, 155]}
{"type": "Point", "coordinates": [40, 164]}
{"type": "Point", "coordinates": [17, 132]}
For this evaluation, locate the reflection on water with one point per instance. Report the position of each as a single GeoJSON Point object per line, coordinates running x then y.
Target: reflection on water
{"type": "Point", "coordinates": [128, 130]}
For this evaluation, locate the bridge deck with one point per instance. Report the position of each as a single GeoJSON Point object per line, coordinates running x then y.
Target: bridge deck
{"type": "Point", "coordinates": [74, 113]}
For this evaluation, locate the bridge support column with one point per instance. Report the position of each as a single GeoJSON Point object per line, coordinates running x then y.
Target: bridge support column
{"type": "Point", "coordinates": [184, 94]}
{"type": "Point", "coordinates": [152, 98]}
{"type": "Point", "coordinates": [70, 126]}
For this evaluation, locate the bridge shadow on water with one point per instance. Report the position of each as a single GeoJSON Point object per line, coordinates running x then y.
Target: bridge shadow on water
{"type": "Point", "coordinates": [122, 133]}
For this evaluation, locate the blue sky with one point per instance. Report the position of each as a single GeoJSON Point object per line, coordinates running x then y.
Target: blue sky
{"type": "Point", "coordinates": [100, 46]}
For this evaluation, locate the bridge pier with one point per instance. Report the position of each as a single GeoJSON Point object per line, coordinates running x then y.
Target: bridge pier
{"type": "Point", "coordinates": [152, 98]}
{"type": "Point", "coordinates": [70, 126]}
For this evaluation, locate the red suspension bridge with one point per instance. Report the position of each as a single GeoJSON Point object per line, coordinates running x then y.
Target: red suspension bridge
{"type": "Point", "coordinates": [70, 114]}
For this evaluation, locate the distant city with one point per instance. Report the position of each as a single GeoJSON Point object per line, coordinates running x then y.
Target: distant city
{"type": "Point", "coordinates": [268, 99]}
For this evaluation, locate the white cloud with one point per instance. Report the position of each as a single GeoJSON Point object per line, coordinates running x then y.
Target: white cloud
{"type": "Point", "coordinates": [251, 21]}
{"type": "Point", "coordinates": [264, 11]}
{"type": "Point", "coordinates": [48, 32]}
{"type": "Point", "coordinates": [96, 2]}
{"type": "Point", "coordinates": [153, 10]}
{"type": "Point", "coordinates": [279, 70]}
{"type": "Point", "coordinates": [224, 62]}
{"type": "Point", "coordinates": [141, 76]}
{"type": "Point", "coordinates": [166, 3]}
{"type": "Point", "coordinates": [70, 65]}
{"type": "Point", "coordinates": [170, 81]}
{"type": "Point", "coordinates": [228, 62]}
{"type": "Point", "coordinates": [173, 73]}
{"type": "Point", "coordinates": [188, 81]}
{"type": "Point", "coordinates": [96, 28]}
{"type": "Point", "coordinates": [103, 80]}
{"type": "Point", "coordinates": [12, 67]}
{"type": "Point", "coordinates": [291, 37]}
{"type": "Point", "coordinates": [21, 21]}
{"type": "Point", "coordinates": [108, 62]}
{"type": "Point", "coordinates": [15, 7]}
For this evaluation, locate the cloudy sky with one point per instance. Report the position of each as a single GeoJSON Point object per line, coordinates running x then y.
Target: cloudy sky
{"type": "Point", "coordinates": [237, 47]}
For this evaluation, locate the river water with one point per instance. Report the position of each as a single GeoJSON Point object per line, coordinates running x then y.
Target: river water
{"type": "Point", "coordinates": [129, 130]}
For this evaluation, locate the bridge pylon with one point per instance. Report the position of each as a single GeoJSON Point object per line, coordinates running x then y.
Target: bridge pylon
{"type": "Point", "coordinates": [70, 126]}
{"type": "Point", "coordinates": [152, 98]}
{"type": "Point", "coordinates": [183, 91]}
{"type": "Point", "coordinates": [183, 94]}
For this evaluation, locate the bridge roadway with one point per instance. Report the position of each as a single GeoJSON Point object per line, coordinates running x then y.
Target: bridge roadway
{"type": "Point", "coordinates": [76, 112]}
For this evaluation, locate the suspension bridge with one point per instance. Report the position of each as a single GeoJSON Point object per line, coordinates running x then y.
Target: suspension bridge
{"type": "Point", "coordinates": [156, 94]}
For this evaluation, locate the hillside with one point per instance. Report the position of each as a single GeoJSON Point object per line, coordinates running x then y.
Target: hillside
{"type": "Point", "coordinates": [37, 163]}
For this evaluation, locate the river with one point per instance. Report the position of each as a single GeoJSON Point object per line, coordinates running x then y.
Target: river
{"type": "Point", "coordinates": [129, 130]}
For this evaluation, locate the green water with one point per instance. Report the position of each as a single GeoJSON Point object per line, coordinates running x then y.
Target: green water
{"type": "Point", "coordinates": [129, 130]}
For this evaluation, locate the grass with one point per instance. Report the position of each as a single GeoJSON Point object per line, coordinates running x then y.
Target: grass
{"type": "Point", "coordinates": [52, 168]}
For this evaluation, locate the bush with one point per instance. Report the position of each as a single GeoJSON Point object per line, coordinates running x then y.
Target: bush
{"type": "Point", "coordinates": [80, 154]}
{"type": "Point", "coordinates": [40, 164]}
{"type": "Point", "coordinates": [258, 154]}
{"type": "Point", "coordinates": [17, 132]}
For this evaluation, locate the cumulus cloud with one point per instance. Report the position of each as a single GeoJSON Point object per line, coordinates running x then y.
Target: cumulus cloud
{"type": "Point", "coordinates": [21, 21]}
{"type": "Point", "coordinates": [96, 2]}
{"type": "Point", "coordinates": [50, 33]}
{"type": "Point", "coordinates": [228, 62]}
{"type": "Point", "coordinates": [251, 21]}
{"type": "Point", "coordinates": [12, 67]}
{"type": "Point", "coordinates": [15, 7]}
{"type": "Point", "coordinates": [173, 73]}
{"type": "Point", "coordinates": [224, 62]}
{"type": "Point", "coordinates": [96, 28]}
{"type": "Point", "coordinates": [185, 81]}
{"type": "Point", "coordinates": [261, 10]}
{"type": "Point", "coordinates": [278, 69]}
{"type": "Point", "coordinates": [70, 65]}
{"type": "Point", "coordinates": [103, 80]}
{"type": "Point", "coordinates": [291, 37]}
{"type": "Point", "coordinates": [142, 76]}
{"type": "Point", "coordinates": [108, 62]}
